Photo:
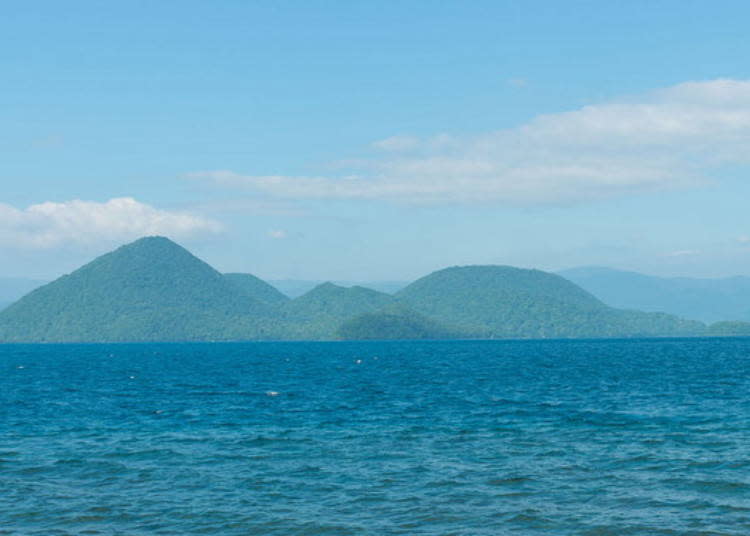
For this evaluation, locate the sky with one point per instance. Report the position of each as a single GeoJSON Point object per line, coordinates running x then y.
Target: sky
{"type": "Point", "coordinates": [377, 140]}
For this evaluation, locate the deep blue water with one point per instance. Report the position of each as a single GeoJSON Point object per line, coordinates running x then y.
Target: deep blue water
{"type": "Point", "coordinates": [618, 438]}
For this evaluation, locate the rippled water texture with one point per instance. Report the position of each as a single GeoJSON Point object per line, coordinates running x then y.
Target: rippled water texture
{"type": "Point", "coordinates": [559, 437]}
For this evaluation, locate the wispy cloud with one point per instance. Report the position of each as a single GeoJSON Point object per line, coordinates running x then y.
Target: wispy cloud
{"type": "Point", "coordinates": [683, 253]}
{"type": "Point", "coordinates": [245, 205]}
{"type": "Point", "coordinates": [277, 234]}
{"type": "Point", "coordinates": [665, 139]}
{"type": "Point", "coordinates": [397, 143]}
{"type": "Point", "coordinates": [50, 224]}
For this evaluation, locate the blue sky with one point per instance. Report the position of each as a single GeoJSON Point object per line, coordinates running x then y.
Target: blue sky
{"type": "Point", "coordinates": [377, 140]}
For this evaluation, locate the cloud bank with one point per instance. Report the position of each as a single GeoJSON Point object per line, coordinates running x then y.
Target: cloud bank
{"type": "Point", "coordinates": [668, 138]}
{"type": "Point", "coordinates": [49, 224]}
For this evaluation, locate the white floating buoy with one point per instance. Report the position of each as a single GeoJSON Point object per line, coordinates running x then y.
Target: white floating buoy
{"type": "Point", "coordinates": [358, 361]}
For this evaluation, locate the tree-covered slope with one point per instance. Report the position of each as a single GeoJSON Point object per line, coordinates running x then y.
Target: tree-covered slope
{"type": "Point", "coordinates": [506, 302]}
{"type": "Point", "coordinates": [729, 329]}
{"type": "Point", "coordinates": [256, 288]}
{"type": "Point", "coordinates": [320, 313]}
{"type": "Point", "coordinates": [393, 322]}
{"type": "Point", "coordinates": [707, 300]}
{"type": "Point", "coordinates": [149, 290]}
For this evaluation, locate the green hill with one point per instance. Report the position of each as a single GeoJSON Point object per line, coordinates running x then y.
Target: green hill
{"type": "Point", "coordinates": [256, 288]}
{"type": "Point", "coordinates": [150, 290]}
{"type": "Point", "coordinates": [506, 302]}
{"type": "Point", "coordinates": [392, 323]}
{"type": "Point", "coordinates": [294, 288]}
{"type": "Point", "coordinates": [320, 313]}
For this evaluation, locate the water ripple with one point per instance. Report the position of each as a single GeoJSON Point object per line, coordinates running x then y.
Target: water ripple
{"type": "Point", "coordinates": [592, 438]}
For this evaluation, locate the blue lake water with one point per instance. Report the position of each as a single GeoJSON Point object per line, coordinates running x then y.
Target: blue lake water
{"type": "Point", "coordinates": [640, 437]}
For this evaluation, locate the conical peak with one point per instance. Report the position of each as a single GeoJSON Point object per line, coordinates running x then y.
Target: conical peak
{"type": "Point", "coordinates": [152, 242]}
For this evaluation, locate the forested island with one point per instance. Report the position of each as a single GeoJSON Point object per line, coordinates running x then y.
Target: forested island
{"type": "Point", "coordinates": [155, 290]}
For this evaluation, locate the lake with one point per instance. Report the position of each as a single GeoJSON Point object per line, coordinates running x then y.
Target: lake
{"type": "Point", "coordinates": [615, 437]}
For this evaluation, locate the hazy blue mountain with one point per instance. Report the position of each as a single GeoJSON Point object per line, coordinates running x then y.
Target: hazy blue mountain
{"type": "Point", "coordinates": [297, 287]}
{"type": "Point", "coordinates": [151, 289]}
{"type": "Point", "coordinates": [502, 302]}
{"type": "Point", "coordinates": [13, 288]}
{"type": "Point", "coordinates": [256, 288]}
{"type": "Point", "coordinates": [707, 300]}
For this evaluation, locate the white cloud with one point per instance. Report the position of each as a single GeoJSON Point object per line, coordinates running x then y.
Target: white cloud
{"type": "Point", "coordinates": [669, 138]}
{"type": "Point", "coordinates": [277, 234]}
{"type": "Point", "coordinates": [397, 143]}
{"type": "Point", "coordinates": [50, 224]}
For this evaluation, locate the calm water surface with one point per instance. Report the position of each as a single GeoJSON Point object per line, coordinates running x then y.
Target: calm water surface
{"type": "Point", "coordinates": [618, 438]}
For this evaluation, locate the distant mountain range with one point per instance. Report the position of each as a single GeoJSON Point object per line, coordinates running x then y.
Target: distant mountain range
{"type": "Point", "coordinates": [707, 300]}
{"type": "Point", "coordinates": [155, 290]}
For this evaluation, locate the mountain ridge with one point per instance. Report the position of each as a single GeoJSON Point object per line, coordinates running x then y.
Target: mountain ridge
{"type": "Point", "coordinates": [155, 290]}
{"type": "Point", "coordinates": [295, 288]}
{"type": "Point", "coordinates": [256, 288]}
